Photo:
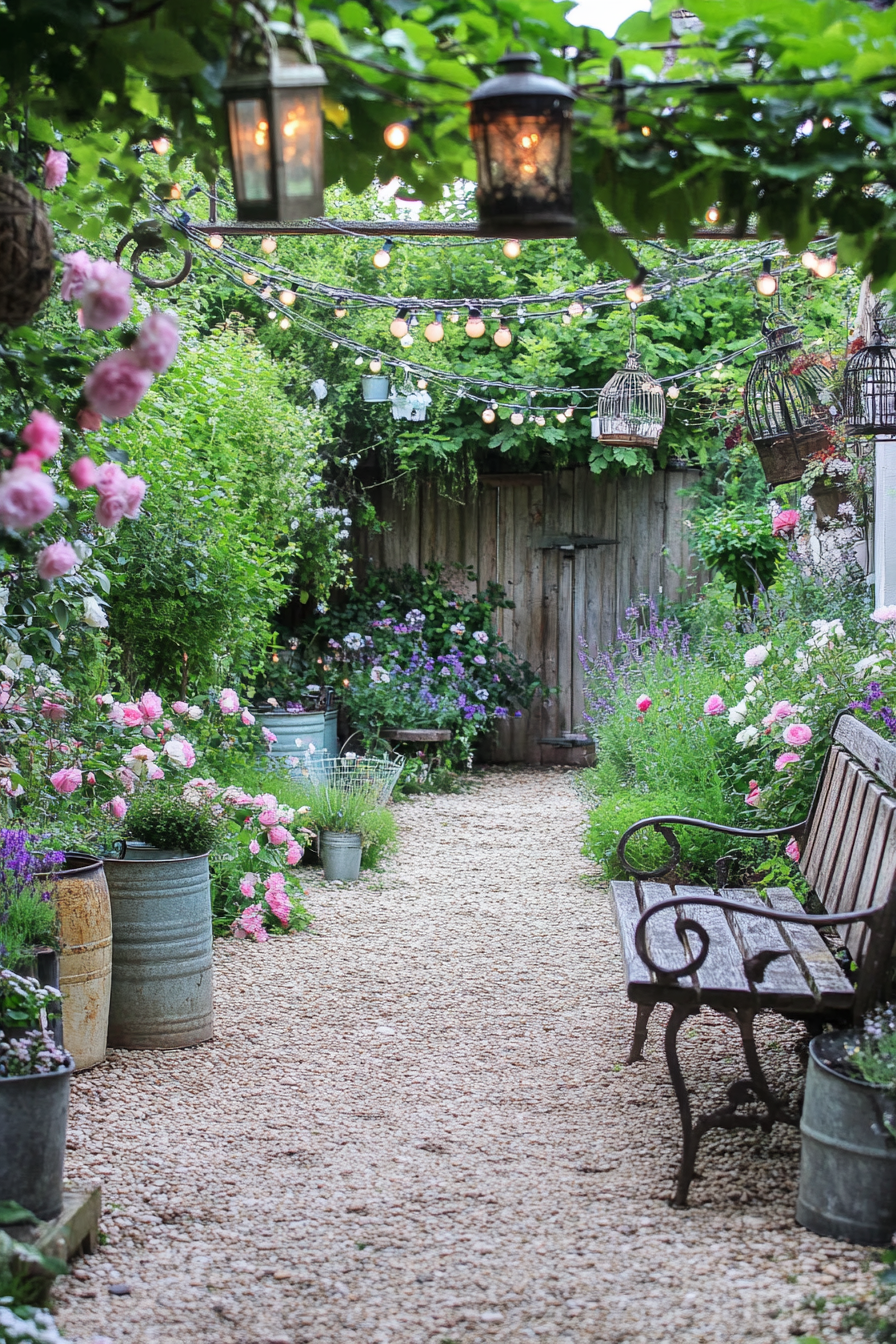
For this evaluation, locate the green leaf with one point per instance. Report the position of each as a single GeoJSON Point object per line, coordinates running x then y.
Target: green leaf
{"type": "Point", "coordinates": [322, 30]}
{"type": "Point", "coordinates": [61, 612]}
{"type": "Point", "coordinates": [11, 1212]}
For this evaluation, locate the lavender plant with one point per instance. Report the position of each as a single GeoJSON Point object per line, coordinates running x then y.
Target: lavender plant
{"type": "Point", "coordinates": [27, 914]}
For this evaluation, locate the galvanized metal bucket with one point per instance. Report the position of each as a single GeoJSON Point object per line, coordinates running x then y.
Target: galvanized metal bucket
{"type": "Point", "coordinates": [848, 1163]}
{"type": "Point", "coordinates": [33, 1121]}
{"type": "Point", "coordinates": [80, 894]}
{"type": "Point", "coordinates": [375, 387]}
{"type": "Point", "coordinates": [161, 949]}
{"type": "Point", "coordinates": [296, 733]}
{"type": "Point", "coordinates": [340, 854]}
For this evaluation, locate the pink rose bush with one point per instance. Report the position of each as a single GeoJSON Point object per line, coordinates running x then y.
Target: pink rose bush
{"type": "Point", "coordinates": [714, 705]}
{"type": "Point", "coordinates": [787, 521]}
{"type": "Point", "coordinates": [42, 435]}
{"type": "Point", "coordinates": [105, 296]}
{"type": "Point", "coordinates": [56, 560]}
{"type": "Point", "coordinates": [27, 497]}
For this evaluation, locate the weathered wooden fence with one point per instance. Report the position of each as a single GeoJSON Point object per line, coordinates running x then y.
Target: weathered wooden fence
{"type": "Point", "coordinates": [571, 549]}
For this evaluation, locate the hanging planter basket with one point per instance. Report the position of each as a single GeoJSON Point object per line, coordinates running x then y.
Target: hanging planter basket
{"type": "Point", "coordinates": [869, 385]}
{"type": "Point", "coordinates": [631, 409]}
{"type": "Point", "coordinates": [786, 401]}
{"type": "Point", "coordinates": [375, 387]}
{"type": "Point", "coordinates": [27, 266]}
{"type": "Point", "coordinates": [409, 402]}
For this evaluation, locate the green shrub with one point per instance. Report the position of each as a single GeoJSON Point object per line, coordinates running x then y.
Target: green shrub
{"type": "Point", "coordinates": [167, 820]}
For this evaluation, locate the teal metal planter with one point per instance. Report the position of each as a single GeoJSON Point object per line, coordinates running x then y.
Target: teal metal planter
{"type": "Point", "coordinates": [848, 1163]}
{"type": "Point", "coordinates": [315, 729]}
{"type": "Point", "coordinates": [161, 949]}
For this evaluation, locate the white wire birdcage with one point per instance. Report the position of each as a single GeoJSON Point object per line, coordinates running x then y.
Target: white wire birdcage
{"type": "Point", "coordinates": [631, 408]}
{"type": "Point", "coordinates": [355, 774]}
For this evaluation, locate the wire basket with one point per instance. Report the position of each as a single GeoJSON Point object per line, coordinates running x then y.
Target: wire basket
{"type": "Point", "coordinates": [354, 774]}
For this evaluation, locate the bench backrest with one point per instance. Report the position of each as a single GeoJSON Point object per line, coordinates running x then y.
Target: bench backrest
{"type": "Point", "coordinates": [849, 847]}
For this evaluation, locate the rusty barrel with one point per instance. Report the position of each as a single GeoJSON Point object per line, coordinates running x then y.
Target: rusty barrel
{"type": "Point", "coordinates": [161, 949]}
{"type": "Point", "coordinates": [81, 896]}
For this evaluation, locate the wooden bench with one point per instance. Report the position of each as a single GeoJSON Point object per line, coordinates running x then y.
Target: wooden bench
{"type": "Point", "coordinates": [741, 952]}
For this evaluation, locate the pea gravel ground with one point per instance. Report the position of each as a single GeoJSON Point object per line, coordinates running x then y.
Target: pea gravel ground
{"type": "Point", "coordinates": [413, 1127]}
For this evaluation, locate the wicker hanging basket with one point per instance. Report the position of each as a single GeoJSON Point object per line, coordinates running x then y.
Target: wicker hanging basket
{"type": "Point", "coordinates": [27, 265]}
{"type": "Point", "coordinates": [786, 400]}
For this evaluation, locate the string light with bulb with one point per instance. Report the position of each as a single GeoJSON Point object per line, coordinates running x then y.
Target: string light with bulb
{"type": "Point", "coordinates": [434, 331]}
{"type": "Point", "coordinates": [383, 256]}
{"type": "Point", "coordinates": [766, 282]}
{"type": "Point", "coordinates": [397, 134]}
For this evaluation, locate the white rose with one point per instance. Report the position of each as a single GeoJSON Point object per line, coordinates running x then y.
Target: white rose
{"type": "Point", "coordinates": [94, 614]}
{"type": "Point", "coordinates": [738, 713]}
{"type": "Point", "coordinates": [755, 657]}
{"type": "Point", "coordinates": [747, 735]}
{"type": "Point", "coordinates": [751, 685]}
{"type": "Point", "coordinates": [194, 712]}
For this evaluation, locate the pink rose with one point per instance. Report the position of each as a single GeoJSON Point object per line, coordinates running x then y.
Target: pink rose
{"type": "Point", "coordinates": [781, 709]}
{"type": "Point", "coordinates": [247, 718]}
{"type": "Point", "coordinates": [56, 560]}
{"type": "Point", "coordinates": [67, 780]}
{"type": "Point", "coordinates": [714, 705]}
{"type": "Point", "coordinates": [268, 736]}
{"type": "Point", "coordinates": [105, 296]}
{"type": "Point", "coordinates": [179, 750]}
{"type": "Point", "coordinates": [42, 434]}
{"type": "Point", "coordinates": [797, 734]}
{"type": "Point", "coordinates": [228, 702]}
{"type": "Point", "coordinates": [254, 846]}
{"type": "Point", "coordinates": [294, 854]}
{"type": "Point", "coordinates": [140, 753]}
{"type": "Point", "coordinates": [76, 267]}
{"type": "Point", "coordinates": [26, 498]}
{"type": "Point", "coordinates": [884, 615]}
{"type": "Point", "coordinates": [55, 168]}
{"type": "Point", "coordinates": [180, 706]}
{"type": "Point", "coordinates": [131, 716]}
{"type": "Point", "coordinates": [83, 473]}
{"type": "Point", "coordinates": [110, 509]}
{"type": "Point", "coordinates": [53, 711]}
{"type": "Point", "coordinates": [756, 657]}
{"type": "Point", "coordinates": [117, 806]}
{"type": "Point", "coordinates": [150, 706]}
{"type": "Point", "coordinates": [643, 703]}
{"type": "Point", "coordinates": [157, 341]}
{"type": "Point", "coordinates": [754, 797]}
{"type": "Point", "coordinates": [786, 758]}
{"type": "Point", "coordinates": [279, 835]}
{"type": "Point", "coordinates": [116, 715]}
{"type": "Point", "coordinates": [279, 904]}
{"type": "Point", "coordinates": [785, 521]}
{"type": "Point", "coordinates": [91, 777]}
{"type": "Point", "coordinates": [249, 925]}
{"type": "Point", "coordinates": [30, 460]}
{"type": "Point", "coordinates": [792, 849]}
{"type": "Point", "coordinates": [269, 817]}
{"type": "Point", "coordinates": [115, 386]}
{"type": "Point", "coordinates": [155, 773]}
{"type": "Point", "coordinates": [89, 422]}
{"type": "Point", "coordinates": [247, 885]}
{"type": "Point", "coordinates": [127, 777]}
{"type": "Point", "coordinates": [134, 493]}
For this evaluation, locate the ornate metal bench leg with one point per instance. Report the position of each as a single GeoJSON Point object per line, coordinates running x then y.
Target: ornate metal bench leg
{"type": "Point", "coordinates": [689, 1140]}
{"type": "Point", "coordinates": [776, 1110]}
{"type": "Point", "coordinates": [640, 1035]}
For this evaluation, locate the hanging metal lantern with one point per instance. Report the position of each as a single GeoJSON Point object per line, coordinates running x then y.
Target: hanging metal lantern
{"type": "Point", "coordinates": [273, 100]}
{"type": "Point", "coordinates": [869, 384]}
{"type": "Point", "coordinates": [786, 400]}
{"type": "Point", "coordinates": [409, 402]}
{"type": "Point", "coordinates": [521, 128]}
{"type": "Point", "coordinates": [631, 408]}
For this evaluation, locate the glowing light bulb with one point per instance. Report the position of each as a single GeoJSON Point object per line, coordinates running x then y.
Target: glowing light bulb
{"type": "Point", "coordinates": [422, 384]}
{"type": "Point", "coordinates": [827, 123]}
{"type": "Point", "coordinates": [766, 283]}
{"type": "Point", "coordinates": [503, 336]}
{"type": "Point", "coordinates": [713, 215]}
{"type": "Point", "coordinates": [261, 133]}
{"type": "Point", "coordinates": [407, 340]}
{"type": "Point", "coordinates": [250, 278]}
{"type": "Point", "coordinates": [286, 297]}
{"type": "Point", "coordinates": [375, 365]}
{"type": "Point", "coordinates": [434, 331]}
{"type": "Point", "coordinates": [161, 145]}
{"type": "Point", "coordinates": [827, 266]}
{"type": "Point", "coordinates": [516, 418]}
{"type": "Point", "coordinates": [512, 248]}
{"type": "Point", "coordinates": [383, 256]}
{"type": "Point", "coordinates": [268, 245]}
{"type": "Point", "coordinates": [561, 417]}
{"type": "Point", "coordinates": [475, 327]}
{"type": "Point", "coordinates": [399, 324]}
{"type": "Point", "coordinates": [809, 260]}
{"type": "Point", "coordinates": [175, 193]}
{"type": "Point", "coordinates": [359, 361]}
{"type": "Point", "coordinates": [645, 130]}
{"type": "Point", "coordinates": [634, 292]}
{"type": "Point", "coordinates": [488, 415]}
{"type": "Point", "coordinates": [340, 310]}
{"type": "Point", "coordinates": [272, 313]}
{"type": "Point", "coordinates": [539, 419]}
{"type": "Point", "coordinates": [529, 141]}
{"type": "Point", "coordinates": [215, 241]}
{"type": "Point", "coordinates": [285, 324]}
{"type": "Point", "coordinates": [567, 320]}
{"type": "Point", "coordinates": [334, 345]}
{"type": "Point", "coordinates": [397, 134]}
{"type": "Point", "coordinates": [576, 309]}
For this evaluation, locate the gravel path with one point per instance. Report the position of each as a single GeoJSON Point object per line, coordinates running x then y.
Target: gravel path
{"type": "Point", "coordinates": [413, 1127]}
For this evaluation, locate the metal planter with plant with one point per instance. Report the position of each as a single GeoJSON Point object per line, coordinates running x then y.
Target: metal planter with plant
{"type": "Point", "coordinates": [351, 826]}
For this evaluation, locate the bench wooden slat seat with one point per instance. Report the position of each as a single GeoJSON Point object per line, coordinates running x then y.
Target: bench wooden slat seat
{"type": "Point", "coordinates": [740, 952]}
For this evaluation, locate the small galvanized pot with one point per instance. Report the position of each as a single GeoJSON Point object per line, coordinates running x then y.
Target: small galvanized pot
{"type": "Point", "coordinates": [848, 1163]}
{"type": "Point", "coordinates": [375, 387]}
{"type": "Point", "coordinates": [33, 1121]}
{"type": "Point", "coordinates": [340, 854]}
{"type": "Point", "coordinates": [161, 949]}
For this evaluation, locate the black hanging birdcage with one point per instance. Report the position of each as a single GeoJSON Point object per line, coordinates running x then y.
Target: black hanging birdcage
{"type": "Point", "coordinates": [631, 408]}
{"type": "Point", "coordinates": [786, 400]}
{"type": "Point", "coordinates": [869, 384]}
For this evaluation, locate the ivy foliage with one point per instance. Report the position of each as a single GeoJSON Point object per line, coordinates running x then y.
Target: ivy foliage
{"type": "Point", "coordinates": [780, 113]}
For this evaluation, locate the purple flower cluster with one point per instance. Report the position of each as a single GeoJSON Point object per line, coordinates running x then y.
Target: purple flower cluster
{"type": "Point", "coordinates": [32, 1052]}
{"type": "Point", "coordinates": [874, 706]}
{"type": "Point", "coordinates": [21, 857]}
{"type": "Point", "coordinates": [615, 671]}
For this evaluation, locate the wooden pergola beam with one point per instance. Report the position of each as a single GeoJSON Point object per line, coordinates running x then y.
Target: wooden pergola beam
{"type": "Point", "coordinates": [393, 228]}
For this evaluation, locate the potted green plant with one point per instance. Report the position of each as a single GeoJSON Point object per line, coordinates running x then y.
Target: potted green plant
{"type": "Point", "coordinates": [848, 1162]}
{"type": "Point", "coordinates": [348, 821]}
{"type": "Point", "coordinates": [35, 1076]}
{"type": "Point", "coordinates": [162, 921]}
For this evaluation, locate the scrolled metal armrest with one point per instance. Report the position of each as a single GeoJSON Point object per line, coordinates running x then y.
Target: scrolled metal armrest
{"type": "Point", "coordinates": [682, 925]}
{"type": "Point", "coordinates": [662, 824]}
